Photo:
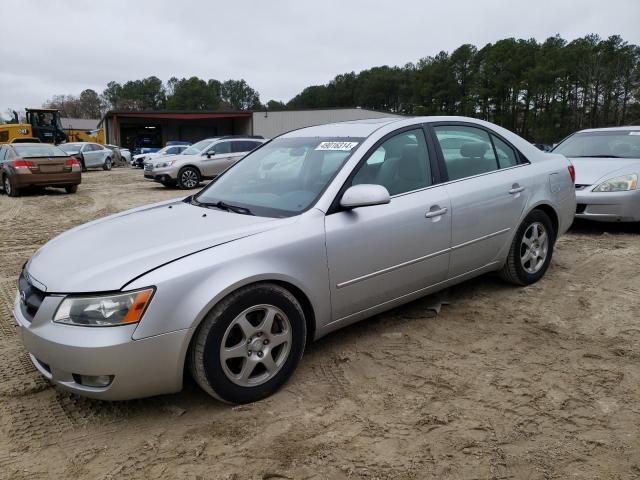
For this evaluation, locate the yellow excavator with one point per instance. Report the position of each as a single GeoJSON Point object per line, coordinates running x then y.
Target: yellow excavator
{"type": "Point", "coordinates": [44, 125]}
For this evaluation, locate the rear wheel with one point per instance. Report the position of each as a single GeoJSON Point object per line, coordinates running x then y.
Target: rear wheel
{"type": "Point", "coordinates": [248, 346]}
{"type": "Point", "coordinates": [188, 178]}
{"type": "Point", "coordinates": [9, 187]}
{"type": "Point", "coordinates": [71, 188]}
{"type": "Point", "coordinates": [107, 164]}
{"type": "Point", "coordinates": [531, 250]}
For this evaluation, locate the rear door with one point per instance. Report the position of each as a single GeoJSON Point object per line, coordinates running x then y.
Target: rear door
{"type": "Point", "coordinates": [92, 156]}
{"type": "Point", "coordinates": [488, 186]}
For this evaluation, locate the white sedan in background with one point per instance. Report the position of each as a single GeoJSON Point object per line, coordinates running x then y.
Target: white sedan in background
{"type": "Point", "coordinates": [90, 155]}
{"type": "Point", "coordinates": [607, 163]}
{"type": "Point", "coordinates": [138, 160]}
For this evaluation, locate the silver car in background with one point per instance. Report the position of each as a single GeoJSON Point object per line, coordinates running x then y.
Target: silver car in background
{"type": "Point", "coordinates": [203, 160]}
{"type": "Point", "coordinates": [607, 163]}
{"type": "Point", "coordinates": [90, 155]}
{"type": "Point", "coordinates": [313, 231]}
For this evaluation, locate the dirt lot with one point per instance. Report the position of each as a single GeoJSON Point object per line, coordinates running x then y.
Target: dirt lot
{"type": "Point", "coordinates": [537, 382]}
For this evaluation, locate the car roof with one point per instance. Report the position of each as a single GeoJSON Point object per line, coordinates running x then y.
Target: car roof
{"type": "Point", "coordinates": [628, 128]}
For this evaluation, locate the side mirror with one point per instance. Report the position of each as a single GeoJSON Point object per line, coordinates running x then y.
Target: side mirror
{"type": "Point", "coordinates": [364, 195]}
{"type": "Point", "coordinates": [211, 153]}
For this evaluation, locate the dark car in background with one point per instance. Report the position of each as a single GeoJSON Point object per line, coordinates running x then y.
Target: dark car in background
{"type": "Point", "coordinates": [24, 165]}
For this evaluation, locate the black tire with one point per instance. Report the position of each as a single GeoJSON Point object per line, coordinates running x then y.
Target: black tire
{"type": "Point", "coordinates": [513, 270]}
{"type": "Point", "coordinates": [10, 187]}
{"type": "Point", "coordinates": [83, 166]}
{"type": "Point", "coordinates": [71, 188]}
{"type": "Point", "coordinates": [107, 164]}
{"type": "Point", "coordinates": [186, 178]}
{"type": "Point", "coordinates": [204, 354]}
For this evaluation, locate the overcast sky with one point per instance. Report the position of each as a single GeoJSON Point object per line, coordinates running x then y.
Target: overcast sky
{"type": "Point", "coordinates": [278, 46]}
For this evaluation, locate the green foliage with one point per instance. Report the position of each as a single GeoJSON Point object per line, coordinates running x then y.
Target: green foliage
{"type": "Point", "coordinates": [87, 105]}
{"type": "Point", "coordinates": [543, 91]}
{"type": "Point", "coordinates": [239, 95]}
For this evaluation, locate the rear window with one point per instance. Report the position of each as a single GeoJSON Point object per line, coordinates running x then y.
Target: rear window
{"type": "Point", "coordinates": [38, 150]}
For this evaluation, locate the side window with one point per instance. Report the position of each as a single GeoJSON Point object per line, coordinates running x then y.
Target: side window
{"type": "Point", "coordinates": [238, 146]}
{"type": "Point", "coordinates": [506, 155]}
{"type": "Point", "coordinates": [400, 164]}
{"type": "Point", "coordinates": [467, 151]}
{"type": "Point", "coordinates": [172, 151]}
{"type": "Point", "coordinates": [222, 148]}
{"type": "Point", "coordinates": [3, 152]}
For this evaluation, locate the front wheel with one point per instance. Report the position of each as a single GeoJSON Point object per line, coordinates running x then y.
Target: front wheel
{"type": "Point", "coordinates": [531, 250]}
{"type": "Point", "coordinates": [188, 178]}
{"type": "Point", "coordinates": [71, 188]}
{"type": "Point", "coordinates": [107, 164]}
{"type": "Point", "coordinates": [248, 346]}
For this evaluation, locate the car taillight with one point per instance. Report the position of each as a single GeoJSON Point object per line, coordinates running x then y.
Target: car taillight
{"type": "Point", "coordinates": [572, 173]}
{"type": "Point", "coordinates": [23, 163]}
{"type": "Point", "coordinates": [71, 161]}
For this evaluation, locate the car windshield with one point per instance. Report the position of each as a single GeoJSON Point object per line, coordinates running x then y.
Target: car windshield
{"type": "Point", "coordinates": [282, 178]}
{"type": "Point", "coordinates": [38, 150]}
{"type": "Point", "coordinates": [70, 147]}
{"type": "Point", "coordinates": [196, 148]}
{"type": "Point", "coordinates": [603, 144]}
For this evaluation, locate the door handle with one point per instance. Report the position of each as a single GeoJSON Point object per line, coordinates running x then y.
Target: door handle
{"type": "Point", "coordinates": [436, 213]}
{"type": "Point", "coordinates": [515, 190]}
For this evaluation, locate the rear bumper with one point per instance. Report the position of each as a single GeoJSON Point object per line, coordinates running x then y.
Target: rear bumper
{"type": "Point", "coordinates": [609, 206]}
{"type": "Point", "coordinates": [139, 368]}
{"type": "Point", "coordinates": [46, 179]}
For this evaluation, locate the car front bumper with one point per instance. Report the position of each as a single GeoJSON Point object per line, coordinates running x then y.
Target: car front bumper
{"type": "Point", "coordinates": [608, 206]}
{"type": "Point", "coordinates": [63, 353]}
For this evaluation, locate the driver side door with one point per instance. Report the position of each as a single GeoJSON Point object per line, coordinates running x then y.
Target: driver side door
{"type": "Point", "coordinates": [381, 253]}
{"type": "Point", "coordinates": [92, 157]}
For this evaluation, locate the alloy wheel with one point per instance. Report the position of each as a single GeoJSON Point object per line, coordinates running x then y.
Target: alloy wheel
{"type": "Point", "coordinates": [256, 345]}
{"type": "Point", "coordinates": [534, 248]}
{"type": "Point", "coordinates": [7, 186]}
{"type": "Point", "coordinates": [189, 178]}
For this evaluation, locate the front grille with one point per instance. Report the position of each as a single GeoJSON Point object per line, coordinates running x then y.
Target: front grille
{"type": "Point", "coordinates": [581, 207]}
{"type": "Point", "coordinates": [31, 297]}
{"type": "Point", "coordinates": [148, 167]}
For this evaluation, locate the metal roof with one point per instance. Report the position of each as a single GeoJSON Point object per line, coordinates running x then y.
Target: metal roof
{"type": "Point", "coordinates": [80, 123]}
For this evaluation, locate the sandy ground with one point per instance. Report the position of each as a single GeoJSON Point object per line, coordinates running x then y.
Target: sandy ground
{"type": "Point", "coordinates": [538, 382]}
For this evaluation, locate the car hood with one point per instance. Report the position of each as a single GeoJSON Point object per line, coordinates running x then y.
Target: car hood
{"type": "Point", "coordinates": [106, 254]}
{"type": "Point", "coordinates": [590, 170]}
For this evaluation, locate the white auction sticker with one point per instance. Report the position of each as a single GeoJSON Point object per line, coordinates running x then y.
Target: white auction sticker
{"type": "Point", "coordinates": [634, 133]}
{"type": "Point", "coordinates": [340, 146]}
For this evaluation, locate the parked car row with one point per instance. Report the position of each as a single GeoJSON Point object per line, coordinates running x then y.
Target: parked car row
{"type": "Point", "coordinates": [312, 231]}
{"type": "Point", "coordinates": [203, 160]}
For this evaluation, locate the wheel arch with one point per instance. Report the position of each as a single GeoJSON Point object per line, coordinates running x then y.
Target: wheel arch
{"type": "Point", "coordinates": [182, 167]}
{"type": "Point", "coordinates": [551, 213]}
{"type": "Point", "coordinates": [291, 287]}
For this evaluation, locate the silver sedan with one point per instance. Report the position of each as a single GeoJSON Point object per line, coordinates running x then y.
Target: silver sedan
{"type": "Point", "coordinates": [607, 163]}
{"type": "Point", "coordinates": [314, 230]}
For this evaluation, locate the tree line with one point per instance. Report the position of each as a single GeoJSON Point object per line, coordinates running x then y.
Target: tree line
{"type": "Point", "coordinates": [542, 91]}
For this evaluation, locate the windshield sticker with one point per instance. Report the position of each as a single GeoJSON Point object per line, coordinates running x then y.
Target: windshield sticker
{"type": "Point", "coordinates": [339, 146]}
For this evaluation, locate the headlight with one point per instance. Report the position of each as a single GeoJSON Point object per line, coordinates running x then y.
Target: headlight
{"type": "Point", "coordinates": [165, 164]}
{"type": "Point", "coordinates": [618, 184]}
{"type": "Point", "coordinates": [104, 311]}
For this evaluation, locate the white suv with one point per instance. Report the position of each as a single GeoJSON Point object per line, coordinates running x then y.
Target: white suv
{"type": "Point", "coordinates": [205, 159]}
